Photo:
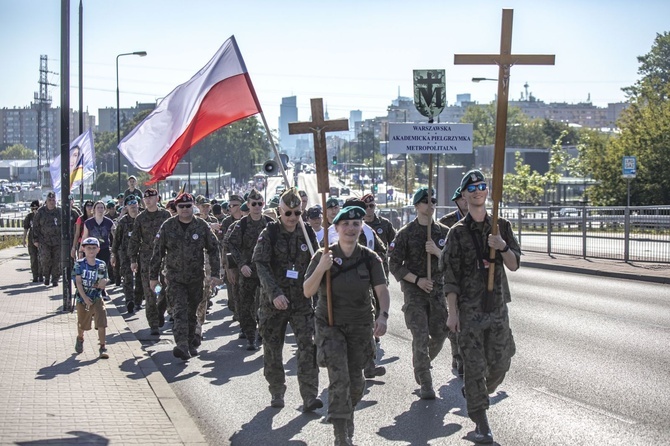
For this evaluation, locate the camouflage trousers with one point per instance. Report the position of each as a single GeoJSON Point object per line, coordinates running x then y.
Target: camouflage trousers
{"type": "Point", "coordinates": [343, 350]}
{"type": "Point", "coordinates": [426, 319]}
{"type": "Point", "coordinates": [233, 290]}
{"type": "Point", "coordinates": [272, 327]}
{"type": "Point", "coordinates": [50, 260]}
{"type": "Point", "coordinates": [185, 298]}
{"type": "Point", "coordinates": [132, 289]}
{"type": "Point", "coordinates": [487, 346]}
{"type": "Point", "coordinates": [206, 296]}
{"type": "Point", "coordinates": [149, 295]}
{"type": "Point", "coordinates": [34, 261]}
{"type": "Point", "coordinates": [248, 305]}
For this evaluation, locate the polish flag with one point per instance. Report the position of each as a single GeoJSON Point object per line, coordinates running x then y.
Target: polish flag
{"type": "Point", "coordinates": [219, 94]}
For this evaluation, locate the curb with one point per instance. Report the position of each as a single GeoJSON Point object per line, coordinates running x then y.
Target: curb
{"type": "Point", "coordinates": [188, 431]}
{"type": "Point", "coordinates": [595, 272]}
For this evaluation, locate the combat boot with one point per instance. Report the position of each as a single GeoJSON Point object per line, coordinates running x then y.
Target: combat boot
{"type": "Point", "coordinates": [427, 392]}
{"type": "Point", "coordinates": [277, 400]}
{"type": "Point", "coordinates": [350, 428]}
{"type": "Point", "coordinates": [312, 405]}
{"type": "Point", "coordinates": [483, 434]}
{"type": "Point", "coordinates": [340, 429]}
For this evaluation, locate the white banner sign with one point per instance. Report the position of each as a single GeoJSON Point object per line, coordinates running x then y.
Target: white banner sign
{"type": "Point", "coordinates": [430, 138]}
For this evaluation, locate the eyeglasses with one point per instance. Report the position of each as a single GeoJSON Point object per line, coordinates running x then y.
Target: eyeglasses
{"type": "Point", "coordinates": [372, 206]}
{"type": "Point", "coordinates": [425, 201]}
{"type": "Point", "coordinates": [256, 203]}
{"type": "Point", "coordinates": [184, 206]}
{"type": "Point", "coordinates": [289, 213]}
{"type": "Point", "coordinates": [473, 187]}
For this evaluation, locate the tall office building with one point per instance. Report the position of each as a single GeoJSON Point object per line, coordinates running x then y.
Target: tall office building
{"type": "Point", "coordinates": [288, 112]}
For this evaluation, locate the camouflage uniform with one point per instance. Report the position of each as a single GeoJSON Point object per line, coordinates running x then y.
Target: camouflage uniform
{"type": "Point", "coordinates": [485, 338]}
{"type": "Point", "coordinates": [425, 314]}
{"type": "Point", "coordinates": [122, 235]}
{"type": "Point", "coordinates": [140, 247]}
{"type": "Point", "coordinates": [183, 251]}
{"type": "Point", "coordinates": [274, 257]}
{"type": "Point", "coordinates": [233, 290]}
{"type": "Point", "coordinates": [345, 347]}
{"type": "Point", "coordinates": [241, 243]}
{"type": "Point", "coordinates": [206, 286]}
{"type": "Point", "coordinates": [32, 249]}
{"type": "Point", "coordinates": [47, 232]}
{"type": "Point", "coordinates": [451, 218]}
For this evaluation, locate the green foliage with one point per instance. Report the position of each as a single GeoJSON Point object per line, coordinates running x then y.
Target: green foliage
{"type": "Point", "coordinates": [107, 183]}
{"type": "Point", "coordinates": [17, 152]}
{"type": "Point", "coordinates": [525, 186]}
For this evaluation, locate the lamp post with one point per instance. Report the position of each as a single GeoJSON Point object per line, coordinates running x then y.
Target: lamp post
{"type": "Point", "coordinates": [479, 79]}
{"type": "Point", "coordinates": [118, 114]}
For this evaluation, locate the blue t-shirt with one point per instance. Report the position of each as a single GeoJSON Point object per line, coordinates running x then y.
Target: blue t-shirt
{"type": "Point", "coordinates": [90, 275]}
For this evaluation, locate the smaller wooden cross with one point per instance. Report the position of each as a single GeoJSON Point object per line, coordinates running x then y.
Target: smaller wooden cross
{"type": "Point", "coordinates": [318, 128]}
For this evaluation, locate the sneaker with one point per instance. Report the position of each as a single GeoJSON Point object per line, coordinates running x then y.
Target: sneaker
{"type": "Point", "coordinates": [427, 392]}
{"type": "Point", "coordinates": [103, 353]}
{"type": "Point", "coordinates": [79, 345]}
{"type": "Point", "coordinates": [277, 400]}
{"type": "Point", "coordinates": [312, 405]}
{"type": "Point", "coordinates": [155, 331]}
{"type": "Point", "coordinates": [181, 354]}
{"type": "Point", "coordinates": [130, 306]}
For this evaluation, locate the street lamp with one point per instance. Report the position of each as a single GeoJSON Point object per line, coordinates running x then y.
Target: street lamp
{"type": "Point", "coordinates": [118, 114]}
{"type": "Point", "coordinates": [479, 79]}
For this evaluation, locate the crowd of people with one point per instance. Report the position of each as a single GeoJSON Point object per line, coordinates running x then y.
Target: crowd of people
{"type": "Point", "coordinates": [283, 263]}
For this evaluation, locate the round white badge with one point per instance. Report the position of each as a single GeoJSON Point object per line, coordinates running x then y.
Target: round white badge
{"type": "Point", "coordinates": [441, 242]}
{"type": "Point", "coordinates": [380, 230]}
{"type": "Point", "coordinates": [195, 236]}
{"type": "Point", "coordinates": [303, 247]}
{"type": "Point", "coordinates": [337, 260]}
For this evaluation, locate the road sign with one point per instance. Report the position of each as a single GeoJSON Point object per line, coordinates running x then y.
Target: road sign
{"type": "Point", "coordinates": [430, 138]}
{"type": "Point", "coordinates": [629, 166]}
{"type": "Point", "coordinates": [430, 96]}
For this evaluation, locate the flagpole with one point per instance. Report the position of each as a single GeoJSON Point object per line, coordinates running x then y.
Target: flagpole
{"type": "Point", "coordinates": [288, 186]}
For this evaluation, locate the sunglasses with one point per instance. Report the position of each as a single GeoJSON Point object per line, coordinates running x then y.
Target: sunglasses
{"type": "Point", "coordinates": [473, 187]}
{"type": "Point", "coordinates": [289, 213]}
{"type": "Point", "coordinates": [256, 203]}
{"type": "Point", "coordinates": [184, 206]}
{"type": "Point", "coordinates": [372, 206]}
{"type": "Point", "coordinates": [425, 201]}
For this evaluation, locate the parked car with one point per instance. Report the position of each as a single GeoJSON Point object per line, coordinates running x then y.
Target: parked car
{"type": "Point", "coordinates": [568, 212]}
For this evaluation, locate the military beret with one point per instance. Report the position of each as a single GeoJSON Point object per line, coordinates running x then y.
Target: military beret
{"type": "Point", "coordinates": [457, 194]}
{"type": "Point", "coordinates": [244, 207]}
{"type": "Point", "coordinates": [235, 197]}
{"type": "Point", "coordinates": [349, 213]}
{"type": "Point", "coordinates": [274, 202]}
{"type": "Point", "coordinates": [421, 194]}
{"type": "Point", "coordinates": [151, 192]}
{"type": "Point", "coordinates": [354, 202]}
{"type": "Point", "coordinates": [119, 196]}
{"type": "Point", "coordinates": [130, 199]}
{"type": "Point", "coordinates": [183, 198]}
{"type": "Point", "coordinates": [246, 196]}
{"type": "Point", "coordinates": [314, 212]}
{"type": "Point", "coordinates": [332, 202]}
{"type": "Point", "coordinates": [474, 176]}
{"type": "Point", "coordinates": [214, 201]}
{"type": "Point", "coordinates": [200, 199]}
{"type": "Point", "coordinates": [111, 204]}
{"type": "Point", "coordinates": [291, 198]}
{"type": "Point", "coordinates": [368, 198]}
{"type": "Point", "coordinates": [35, 204]}
{"type": "Point", "coordinates": [224, 205]}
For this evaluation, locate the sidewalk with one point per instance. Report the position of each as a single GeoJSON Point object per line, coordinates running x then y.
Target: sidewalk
{"type": "Point", "coordinates": [53, 396]}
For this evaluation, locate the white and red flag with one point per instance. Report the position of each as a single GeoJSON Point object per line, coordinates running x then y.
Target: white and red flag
{"type": "Point", "coordinates": [219, 94]}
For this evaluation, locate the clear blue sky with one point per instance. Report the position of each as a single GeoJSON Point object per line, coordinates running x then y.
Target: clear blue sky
{"type": "Point", "coordinates": [353, 54]}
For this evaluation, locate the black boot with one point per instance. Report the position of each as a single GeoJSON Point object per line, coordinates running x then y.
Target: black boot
{"type": "Point", "coordinates": [483, 434]}
{"type": "Point", "coordinates": [350, 429]}
{"type": "Point", "coordinates": [340, 429]}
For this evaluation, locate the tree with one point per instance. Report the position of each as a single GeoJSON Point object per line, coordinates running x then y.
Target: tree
{"type": "Point", "coordinates": [523, 186]}
{"type": "Point", "coordinates": [17, 152]}
{"type": "Point", "coordinates": [107, 183]}
{"type": "Point", "coordinates": [644, 133]}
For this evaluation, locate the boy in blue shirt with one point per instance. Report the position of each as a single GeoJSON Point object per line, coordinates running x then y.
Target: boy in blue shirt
{"type": "Point", "coordinates": [90, 277]}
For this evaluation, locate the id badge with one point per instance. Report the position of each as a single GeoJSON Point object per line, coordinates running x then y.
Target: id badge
{"type": "Point", "coordinates": [292, 274]}
{"type": "Point", "coordinates": [486, 264]}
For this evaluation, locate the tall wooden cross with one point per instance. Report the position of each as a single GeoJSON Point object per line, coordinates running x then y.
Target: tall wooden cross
{"type": "Point", "coordinates": [504, 60]}
{"type": "Point", "coordinates": [318, 128]}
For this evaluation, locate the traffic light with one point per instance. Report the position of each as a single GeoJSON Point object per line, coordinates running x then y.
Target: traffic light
{"type": "Point", "coordinates": [375, 188]}
{"type": "Point", "coordinates": [334, 160]}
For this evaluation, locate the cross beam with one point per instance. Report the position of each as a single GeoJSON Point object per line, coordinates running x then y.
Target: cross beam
{"type": "Point", "coordinates": [504, 60]}
{"type": "Point", "coordinates": [318, 128]}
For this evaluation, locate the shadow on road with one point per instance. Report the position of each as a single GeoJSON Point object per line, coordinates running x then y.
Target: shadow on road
{"type": "Point", "coordinates": [67, 367]}
{"type": "Point", "coordinates": [79, 437]}
{"type": "Point", "coordinates": [259, 430]}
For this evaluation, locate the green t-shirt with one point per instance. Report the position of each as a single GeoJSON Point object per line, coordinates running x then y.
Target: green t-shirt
{"type": "Point", "coordinates": [351, 293]}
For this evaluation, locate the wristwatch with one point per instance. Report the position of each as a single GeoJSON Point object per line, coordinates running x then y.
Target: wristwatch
{"type": "Point", "coordinates": [505, 249]}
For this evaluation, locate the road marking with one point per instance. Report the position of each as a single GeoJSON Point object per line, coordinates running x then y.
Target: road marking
{"type": "Point", "coordinates": [585, 406]}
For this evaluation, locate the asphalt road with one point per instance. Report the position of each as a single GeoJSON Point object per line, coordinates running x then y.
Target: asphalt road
{"type": "Point", "coordinates": [591, 368]}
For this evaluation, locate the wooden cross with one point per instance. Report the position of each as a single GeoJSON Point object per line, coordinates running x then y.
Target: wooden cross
{"type": "Point", "coordinates": [504, 60]}
{"type": "Point", "coordinates": [318, 128]}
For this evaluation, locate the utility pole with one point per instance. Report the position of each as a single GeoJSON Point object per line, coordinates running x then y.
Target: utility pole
{"type": "Point", "coordinates": [43, 105]}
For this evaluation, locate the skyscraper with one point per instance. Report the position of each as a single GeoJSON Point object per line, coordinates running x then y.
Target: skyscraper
{"type": "Point", "coordinates": [288, 112]}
